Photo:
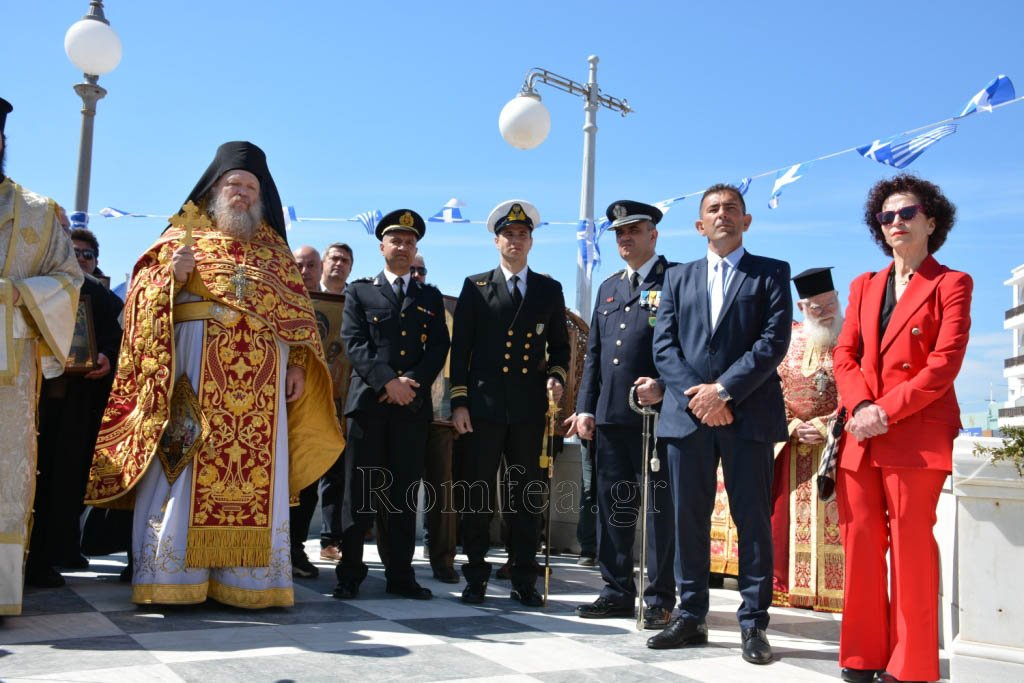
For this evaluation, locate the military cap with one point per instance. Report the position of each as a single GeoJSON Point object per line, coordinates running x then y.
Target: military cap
{"type": "Point", "coordinates": [814, 281]}
{"type": "Point", "coordinates": [627, 212]}
{"type": "Point", "coordinates": [5, 109]}
{"type": "Point", "coordinates": [512, 212]}
{"type": "Point", "coordinates": [405, 220]}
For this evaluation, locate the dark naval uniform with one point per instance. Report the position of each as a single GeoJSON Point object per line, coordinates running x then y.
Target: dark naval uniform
{"type": "Point", "coordinates": [502, 357]}
{"type": "Point", "coordinates": [386, 442]}
{"type": "Point", "coordinates": [618, 352]}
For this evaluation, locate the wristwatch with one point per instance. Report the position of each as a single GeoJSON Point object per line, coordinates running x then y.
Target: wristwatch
{"type": "Point", "coordinates": [722, 393]}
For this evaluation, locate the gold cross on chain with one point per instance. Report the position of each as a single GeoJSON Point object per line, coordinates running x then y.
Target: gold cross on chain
{"type": "Point", "coordinates": [240, 282]}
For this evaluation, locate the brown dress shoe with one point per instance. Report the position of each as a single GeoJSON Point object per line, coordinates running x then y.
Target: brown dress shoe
{"type": "Point", "coordinates": [330, 553]}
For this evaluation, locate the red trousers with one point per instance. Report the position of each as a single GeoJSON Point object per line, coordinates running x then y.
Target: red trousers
{"type": "Point", "coordinates": [894, 627]}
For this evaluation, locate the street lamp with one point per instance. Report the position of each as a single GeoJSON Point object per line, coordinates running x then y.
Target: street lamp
{"type": "Point", "coordinates": [94, 48]}
{"type": "Point", "coordinates": [524, 123]}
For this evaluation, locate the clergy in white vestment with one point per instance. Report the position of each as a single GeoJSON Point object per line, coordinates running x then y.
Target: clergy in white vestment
{"type": "Point", "coordinates": [39, 281]}
{"type": "Point", "coordinates": [221, 408]}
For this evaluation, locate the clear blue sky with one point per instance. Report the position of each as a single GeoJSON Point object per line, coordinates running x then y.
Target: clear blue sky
{"type": "Point", "coordinates": [365, 106]}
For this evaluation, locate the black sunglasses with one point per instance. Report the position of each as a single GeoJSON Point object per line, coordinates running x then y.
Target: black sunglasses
{"type": "Point", "coordinates": [87, 254]}
{"type": "Point", "coordinates": [419, 270]}
{"type": "Point", "coordinates": [907, 213]}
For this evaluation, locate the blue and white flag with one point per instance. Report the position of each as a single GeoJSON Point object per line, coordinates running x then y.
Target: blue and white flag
{"type": "Point", "coordinates": [369, 220]}
{"type": "Point", "coordinates": [450, 212]}
{"type": "Point", "coordinates": [79, 219]}
{"type": "Point", "coordinates": [999, 90]}
{"type": "Point", "coordinates": [589, 255]}
{"type": "Point", "coordinates": [902, 154]}
{"type": "Point", "coordinates": [744, 185]}
{"type": "Point", "coordinates": [665, 204]}
{"type": "Point", "coordinates": [784, 178]}
{"type": "Point", "coordinates": [289, 217]}
{"type": "Point", "coordinates": [110, 212]}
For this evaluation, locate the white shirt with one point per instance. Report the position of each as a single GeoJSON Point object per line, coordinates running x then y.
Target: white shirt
{"type": "Point", "coordinates": [392, 278]}
{"type": "Point", "coordinates": [522, 279]}
{"type": "Point", "coordinates": [733, 258]}
{"type": "Point", "coordinates": [644, 270]}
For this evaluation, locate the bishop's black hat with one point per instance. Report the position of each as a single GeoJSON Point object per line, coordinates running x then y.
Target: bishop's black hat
{"type": "Point", "coordinates": [406, 220]}
{"type": "Point", "coordinates": [814, 281]}
{"type": "Point", "coordinates": [627, 212]}
{"type": "Point", "coordinates": [5, 109]}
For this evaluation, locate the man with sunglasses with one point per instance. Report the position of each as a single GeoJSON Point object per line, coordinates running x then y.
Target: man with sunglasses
{"type": "Point", "coordinates": [70, 409]}
{"type": "Point", "coordinates": [39, 281]}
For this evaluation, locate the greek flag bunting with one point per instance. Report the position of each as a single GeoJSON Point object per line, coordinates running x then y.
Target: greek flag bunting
{"type": "Point", "coordinates": [289, 217]}
{"type": "Point", "coordinates": [589, 255]}
{"type": "Point", "coordinates": [110, 212]}
{"type": "Point", "coordinates": [999, 90]}
{"type": "Point", "coordinates": [744, 185]}
{"type": "Point", "coordinates": [665, 204]}
{"type": "Point", "coordinates": [369, 220]}
{"type": "Point", "coordinates": [781, 180]}
{"type": "Point", "coordinates": [450, 212]}
{"type": "Point", "coordinates": [902, 154]}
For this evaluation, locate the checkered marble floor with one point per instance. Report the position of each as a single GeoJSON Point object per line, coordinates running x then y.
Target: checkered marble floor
{"type": "Point", "coordinates": [90, 631]}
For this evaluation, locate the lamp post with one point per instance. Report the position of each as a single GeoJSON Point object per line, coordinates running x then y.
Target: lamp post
{"type": "Point", "coordinates": [524, 123]}
{"type": "Point", "coordinates": [94, 48]}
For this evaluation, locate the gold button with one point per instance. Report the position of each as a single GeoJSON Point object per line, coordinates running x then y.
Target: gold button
{"type": "Point", "coordinates": [618, 342]}
{"type": "Point", "coordinates": [508, 344]}
{"type": "Point", "coordinates": [400, 372]}
{"type": "Point", "coordinates": [524, 371]}
{"type": "Point", "coordinates": [906, 366]}
{"type": "Point", "coordinates": [505, 369]}
{"type": "Point", "coordinates": [508, 356]}
{"type": "Point", "coordinates": [529, 334]}
{"type": "Point", "coordinates": [404, 333]}
{"type": "Point", "coordinates": [915, 331]}
{"type": "Point", "coordinates": [376, 319]}
{"type": "Point", "coordinates": [510, 333]}
{"type": "Point", "coordinates": [402, 352]}
{"type": "Point", "coordinates": [526, 358]}
{"type": "Point", "coordinates": [403, 315]}
{"type": "Point", "coordinates": [526, 345]}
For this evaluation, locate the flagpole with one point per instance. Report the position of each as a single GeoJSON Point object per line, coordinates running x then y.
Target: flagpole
{"type": "Point", "coordinates": [583, 281]}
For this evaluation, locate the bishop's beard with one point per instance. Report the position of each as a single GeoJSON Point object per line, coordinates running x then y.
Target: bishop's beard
{"type": "Point", "coordinates": [823, 336]}
{"type": "Point", "coordinates": [239, 224]}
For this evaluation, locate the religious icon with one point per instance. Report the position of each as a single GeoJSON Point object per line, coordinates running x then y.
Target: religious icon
{"type": "Point", "coordinates": [82, 354]}
{"type": "Point", "coordinates": [328, 309]}
{"type": "Point", "coordinates": [186, 430]}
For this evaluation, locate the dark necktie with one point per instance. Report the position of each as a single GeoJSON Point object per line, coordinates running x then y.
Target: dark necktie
{"type": "Point", "coordinates": [400, 292]}
{"type": "Point", "coordinates": [634, 283]}
{"type": "Point", "coordinates": [517, 296]}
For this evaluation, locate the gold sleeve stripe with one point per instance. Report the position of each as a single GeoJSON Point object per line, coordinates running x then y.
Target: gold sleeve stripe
{"type": "Point", "coordinates": [558, 372]}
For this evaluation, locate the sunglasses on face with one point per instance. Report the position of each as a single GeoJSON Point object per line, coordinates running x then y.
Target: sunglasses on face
{"type": "Point", "coordinates": [907, 213]}
{"type": "Point", "coordinates": [87, 254]}
{"type": "Point", "coordinates": [418, 270]}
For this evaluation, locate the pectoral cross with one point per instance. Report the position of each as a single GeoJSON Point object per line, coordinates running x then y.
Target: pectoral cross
{"type": "Point", "coordinates": [821, 381]}
{"type": "Point", "coordinates": [240, 282]}
{"type": "Point", "coordinates": [188, 219]}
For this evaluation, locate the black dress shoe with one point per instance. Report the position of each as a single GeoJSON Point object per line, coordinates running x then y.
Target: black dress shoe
{"type": "Point", "coordinates": [410, 590]}
{"type": "Point", "coordinates": [716, 580]}
{"type": "Point", "coordinates": [446, 575]}
{"type": "Point", "coordinates": [886, 677]}
{"type": "Point", "coordinates": [680, 633]}
{"type": "Point", "coordinates": [474, 593]}
{"type": "Point", "coordinates": [528, 596]}
{"type": "Point", "coordinates": [43, 576]}
{"type": "Point", "coordinates": [858, 675]}
{"type": "Point", "coordinates": [656, 618]}
{"type": "Point", "coordinates": [79, 563]}
{"type": "Point", "coordinates": [603, 608]}
{"type": "Point", "coordinates": [756, 649]}
{"type": "Point", "coordinates": [346, 590]}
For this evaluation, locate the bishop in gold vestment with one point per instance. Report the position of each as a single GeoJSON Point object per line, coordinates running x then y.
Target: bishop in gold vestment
{"type": "Point", "coordinates": [221, 408]}
{"type": "Point", "coordinates": [39, 281]}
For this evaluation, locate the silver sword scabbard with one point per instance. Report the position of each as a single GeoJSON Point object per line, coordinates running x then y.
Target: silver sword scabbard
{"type": "Point", "coordinates": [651, 463]}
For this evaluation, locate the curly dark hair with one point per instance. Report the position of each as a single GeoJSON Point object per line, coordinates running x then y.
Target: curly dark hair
{"type": "Point", "coordinates": [928, 195]}
{"type": "Point", "coordinates": [87, 236]}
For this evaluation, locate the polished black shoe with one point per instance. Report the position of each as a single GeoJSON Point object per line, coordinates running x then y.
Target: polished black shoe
{"type": "Point", "coordinates": [411, 590]}
{"type": "Point", "coordinates": [446, 575]}
{"type": "Point", "coordinates": [603, 608]}
{"type": "Point", "coordinates": [474, 593]}
{"type": "Point", "coordinates": [303, 568]}
{"type": "Point", "coordinates": [528, 596]}
{"type": "Point", "coordinates": [858, 675]}
{"type": "Point", "coordinates": [79, 563]}
{"type": "Point", "coordinates": [886, 677]}
{"type": "Point", "coordinates": [43, 576]}
{"type": "Point", "coordinates": [716, 580]}
{"type": "Point", "coordinates": [346, 590]}
{"type": "Point", "coordinates": [656, 618]}
{"type": "Point", "coordinates": [756, 649]}
{"type": "Point", "coordinates": [680, 633]}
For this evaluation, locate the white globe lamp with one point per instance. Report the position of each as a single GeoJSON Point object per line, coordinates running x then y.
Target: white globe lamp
{"type": "Point", "coordinates": [93, 47]}
{"type": "Point", "coordinates": [524, 122]}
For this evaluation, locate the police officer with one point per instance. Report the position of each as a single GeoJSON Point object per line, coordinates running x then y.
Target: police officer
{"type": "Point", "coordinates": [510, 347]}
{"type": "Point", "coordinates": [619, 357]}
{"type": "Point", "coordinates": [397, 341]}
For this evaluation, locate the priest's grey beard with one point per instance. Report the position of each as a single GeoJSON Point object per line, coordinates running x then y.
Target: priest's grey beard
{"type": "Point", "coordinates": [241, 225]}
{"type": "Point", "coordinates": [824, 336]}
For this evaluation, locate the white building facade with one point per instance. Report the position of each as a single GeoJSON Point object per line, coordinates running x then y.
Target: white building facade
{"type": "Point", "coordinates": [1012, 413]}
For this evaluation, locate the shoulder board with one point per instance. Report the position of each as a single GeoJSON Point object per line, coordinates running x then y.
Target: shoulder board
{"type": "Point", "coordinates": [614, 275]}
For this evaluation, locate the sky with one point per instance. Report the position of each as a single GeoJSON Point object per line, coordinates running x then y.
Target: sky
{"type": "Point", "coordinates": [363, 106]}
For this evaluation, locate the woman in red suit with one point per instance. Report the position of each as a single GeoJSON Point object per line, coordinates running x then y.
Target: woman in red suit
{"type": "Point", "coordinates": [900, 349]}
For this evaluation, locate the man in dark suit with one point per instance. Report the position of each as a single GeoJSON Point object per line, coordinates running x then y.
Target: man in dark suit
{"type": "Point", "coordinates": [619, 357]}
{"type": "Point", "coordinates": [397, 340]}
{"type": "Point", "coordinates": [722, 329]}
{"type": "Point", "coordinates": [510, 347]}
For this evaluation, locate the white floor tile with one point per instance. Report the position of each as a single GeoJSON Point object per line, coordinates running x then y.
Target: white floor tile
{"type": "Point", "coordinates": [51, 627]}
{"type": "Point", "coordinates": [547, 654]}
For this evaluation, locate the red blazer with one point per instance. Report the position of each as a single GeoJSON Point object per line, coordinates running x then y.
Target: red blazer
{"type": "Point", "coordinates": [909, 372]}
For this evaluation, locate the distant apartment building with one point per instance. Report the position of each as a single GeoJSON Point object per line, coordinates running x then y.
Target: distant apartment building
{"type": "Point", "coordinates": [1012, 413]}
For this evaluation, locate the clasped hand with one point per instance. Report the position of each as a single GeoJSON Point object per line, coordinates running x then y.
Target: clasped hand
{"type": "Point", "coordinates": [867, 422]}
{"type": "Point", "coordinates": [708, 407]}
{"type": "Point", "coordinates": [401, 391]}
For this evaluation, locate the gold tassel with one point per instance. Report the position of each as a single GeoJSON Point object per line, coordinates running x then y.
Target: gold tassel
{"type": "Point", "coordinates": [213, 547]}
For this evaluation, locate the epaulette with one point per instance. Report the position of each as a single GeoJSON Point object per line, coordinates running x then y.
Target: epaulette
{"type": "Point", "coordinates": [616, 274]}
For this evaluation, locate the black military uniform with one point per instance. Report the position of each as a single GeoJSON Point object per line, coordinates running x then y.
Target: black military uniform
{"type": "Point", "coordinates": [503, 353]}
{"type": "Point", "coordinates": [619, 351]}
{"type": "Point", "coordinates": [386, 339]}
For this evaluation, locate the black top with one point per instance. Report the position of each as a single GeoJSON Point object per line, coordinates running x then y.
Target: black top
{"type": "Point", "coordinates": [888, 304]}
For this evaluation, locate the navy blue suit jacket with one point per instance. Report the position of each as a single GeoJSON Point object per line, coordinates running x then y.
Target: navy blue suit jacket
{"type": "Point", "coordinates": [742, 352]}
{"type": "Point", "coordinates": [619, 347]}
